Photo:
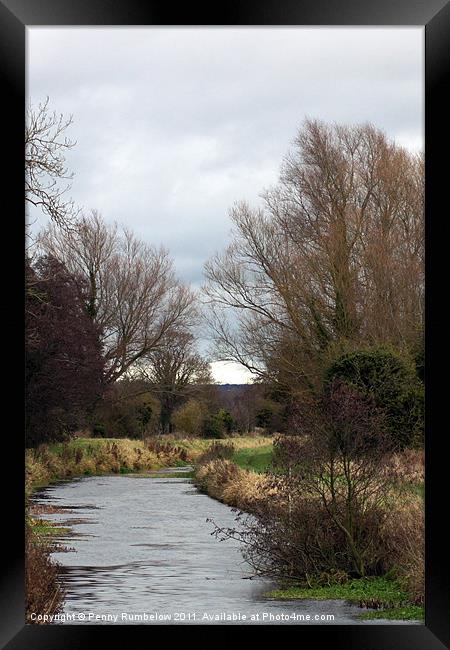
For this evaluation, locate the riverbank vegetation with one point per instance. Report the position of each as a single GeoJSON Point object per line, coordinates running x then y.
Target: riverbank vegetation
{"type": "Point", "coordinates": [43, 591]}
{"type": "Point", "coordinates": [386, 597]}
{"type": "Point", "coordinates": [48, 463]}
{"type": "Point", "coordinates": [320, 294]}
{"type": "Point", "coordinates": [85, 457]}
{"type": "Point", "coordinates": [292, 535]}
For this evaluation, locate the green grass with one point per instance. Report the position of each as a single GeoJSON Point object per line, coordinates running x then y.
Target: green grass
{"type": "Point", "coordinates": [388, 595]}
{"type": "Point", "coordinates": [257, 459]}
{"type": "Point", "coordinates": [45, 528]}
{"type": "Point", "coordinates": [419, 490]}
{"type": "Point", "coordinates": [408, 613]}
{"type": "Point", "coordinates": [356, 591]}
{"type": "Point", "coordinates": [84, 443]}
{"type": "Point", "coordinates": [197, 446]}
{"type": "Point", "coordinates": [94, 456]}
{"type": "Point", "coordinates": [181, 463]}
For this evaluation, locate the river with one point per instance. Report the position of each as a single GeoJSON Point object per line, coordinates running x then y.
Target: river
{"type": "Point", "coordinates": [142, 552]}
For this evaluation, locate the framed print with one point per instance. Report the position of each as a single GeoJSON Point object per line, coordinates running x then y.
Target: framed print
{"type": "Point", "coordinates": [234, 284]}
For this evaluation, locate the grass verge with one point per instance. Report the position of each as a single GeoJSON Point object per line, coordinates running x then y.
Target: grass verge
{"type": "Point", "coordinates": [44, 592]}
{"type": "Point", "coordinates": [45, 528]}
{"type": "Point", "coordinates": [195, 447]}
{"type": "Point", "coordinates": [96, 456]}
{"type": "Point", "coordinates": [386, 597]}
{"type": "Point", "coordinates": [257, 459]}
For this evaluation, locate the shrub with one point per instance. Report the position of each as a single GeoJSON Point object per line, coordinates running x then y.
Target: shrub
{"type": "Point", "coordinates": [326, 502]}
{"type": "Point", "coordinates": [126, 411]}
{"type": "Point", "coordinates": [189, 418]}
{"type": "Point", "coordinates": [402, 538]}
{"type": "Point", "coordinates": [271, 416]}
{"type": "Point", "coordinates": [391, 381]}
{"type": "Point", "coordinates": [218, 425]}
{"type": "Point", "coordinates": [212, 427]}
{"type": "Point", "coordinates": [217, 450]}
{"type": "Point", "coordinates": [99, 430]}
{"type": "Point", "coordinates": [290, 535]}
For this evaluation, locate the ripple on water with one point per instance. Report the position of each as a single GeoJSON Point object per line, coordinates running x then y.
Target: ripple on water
{"type": "Point", "coordinates": [150, 549]}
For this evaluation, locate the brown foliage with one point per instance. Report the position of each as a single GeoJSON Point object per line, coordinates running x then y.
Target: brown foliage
{"type": "Point", "coordinates": [403, 537]}
{"type": "Point", "coordinates": [225, 481]}
{"type": "Point", "coordinates": [217, 450]}
{"type": "Point", "coordinates": [44, 593]}
{"type": "Point", "coordinates": [407, 467]}
{"type": "Point", "coordinates": [325, 505]}
{"type": "Point", "coordinates": [336, 253]}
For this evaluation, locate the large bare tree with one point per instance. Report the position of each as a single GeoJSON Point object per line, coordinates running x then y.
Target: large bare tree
{"type": "Point", "coordinates": [336, 253]}
{"type": "Point", "coordinates": [47, 178]}
{"type": "Point", "coordinates": [133, 293]}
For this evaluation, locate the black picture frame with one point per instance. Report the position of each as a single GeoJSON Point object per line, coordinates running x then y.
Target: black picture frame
{"type": "Point", "coordinates": [434, 15]}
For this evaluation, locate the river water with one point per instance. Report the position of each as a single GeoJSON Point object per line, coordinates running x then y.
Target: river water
{"type": "Point", "coordinates": [142, 552]}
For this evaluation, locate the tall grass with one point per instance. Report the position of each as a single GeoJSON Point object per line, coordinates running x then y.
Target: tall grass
{"type": "Point", "coordinates": [395, 538]}
{"type": "Point", "coordinates": [86, 457]}
{"type": "Point", "coordinates": [91, 456]}
{"type": "Point", "coordinates": [44, 592]}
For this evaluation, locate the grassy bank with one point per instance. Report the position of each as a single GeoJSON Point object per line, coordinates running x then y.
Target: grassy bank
{"type": "Point", "coordinates": [44, 592]}
{"type": "Point", "coordinates": [256, 459]}
{"type": "Point", "coordinates": [387, 597]}
{"type": "Point", "coordinates": [237, 475]}
{"type": "Point", "coordinates": [242, 445]}
{"type": "Point", "coordinates": [238, 479]}
{"type": "Point", "coordinates": [95, 456]}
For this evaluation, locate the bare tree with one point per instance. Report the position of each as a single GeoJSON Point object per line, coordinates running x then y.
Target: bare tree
{"type": "Point", "coordinates": [329, 497]}
{"type": "Point", "coordinates": [174, 370]}
{"type": "Point", "coordinates": [336, 253]}
{"type": "Point", "coordinates": [133, 296]}
{"type": "Point", "coordinates": [45, 165]}
{"type": "Point", "coordinates": [338, 457]}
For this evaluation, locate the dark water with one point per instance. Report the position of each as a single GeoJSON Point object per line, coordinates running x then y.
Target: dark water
{"type": "Point", "coordinates": [142, 546]}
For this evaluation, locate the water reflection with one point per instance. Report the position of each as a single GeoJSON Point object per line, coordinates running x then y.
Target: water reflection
{"type": "Point", "coordinates": [142, 545]}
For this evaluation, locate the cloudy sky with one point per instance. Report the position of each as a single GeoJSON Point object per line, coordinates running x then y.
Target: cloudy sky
{"type": "Point", "coordinates": [173, 125]}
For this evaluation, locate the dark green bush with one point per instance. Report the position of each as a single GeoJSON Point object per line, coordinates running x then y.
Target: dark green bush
{"type": "Point", "coordinates": [99, 430]}
{"type": "Point", "coordinates": [226, 420]}
{"type": "Point", "coordinates": [212, 427]}
{"type": "Point", "coordinates": [390, 379]}
{"type": "Point", "coordinates": [218, 425]}
{"type": "Point", "coordinates": [271, 416]}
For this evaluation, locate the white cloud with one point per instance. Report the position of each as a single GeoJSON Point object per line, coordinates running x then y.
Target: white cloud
{"type": "Point", "coordinates": [228, 372]}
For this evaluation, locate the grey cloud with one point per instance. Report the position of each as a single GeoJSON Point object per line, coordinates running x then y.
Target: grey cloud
{"type": "Point", "coordinates": [174, 125]}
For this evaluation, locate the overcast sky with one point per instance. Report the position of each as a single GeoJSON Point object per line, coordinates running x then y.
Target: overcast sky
{"type": "Point", "coordinates": [173, 125]}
